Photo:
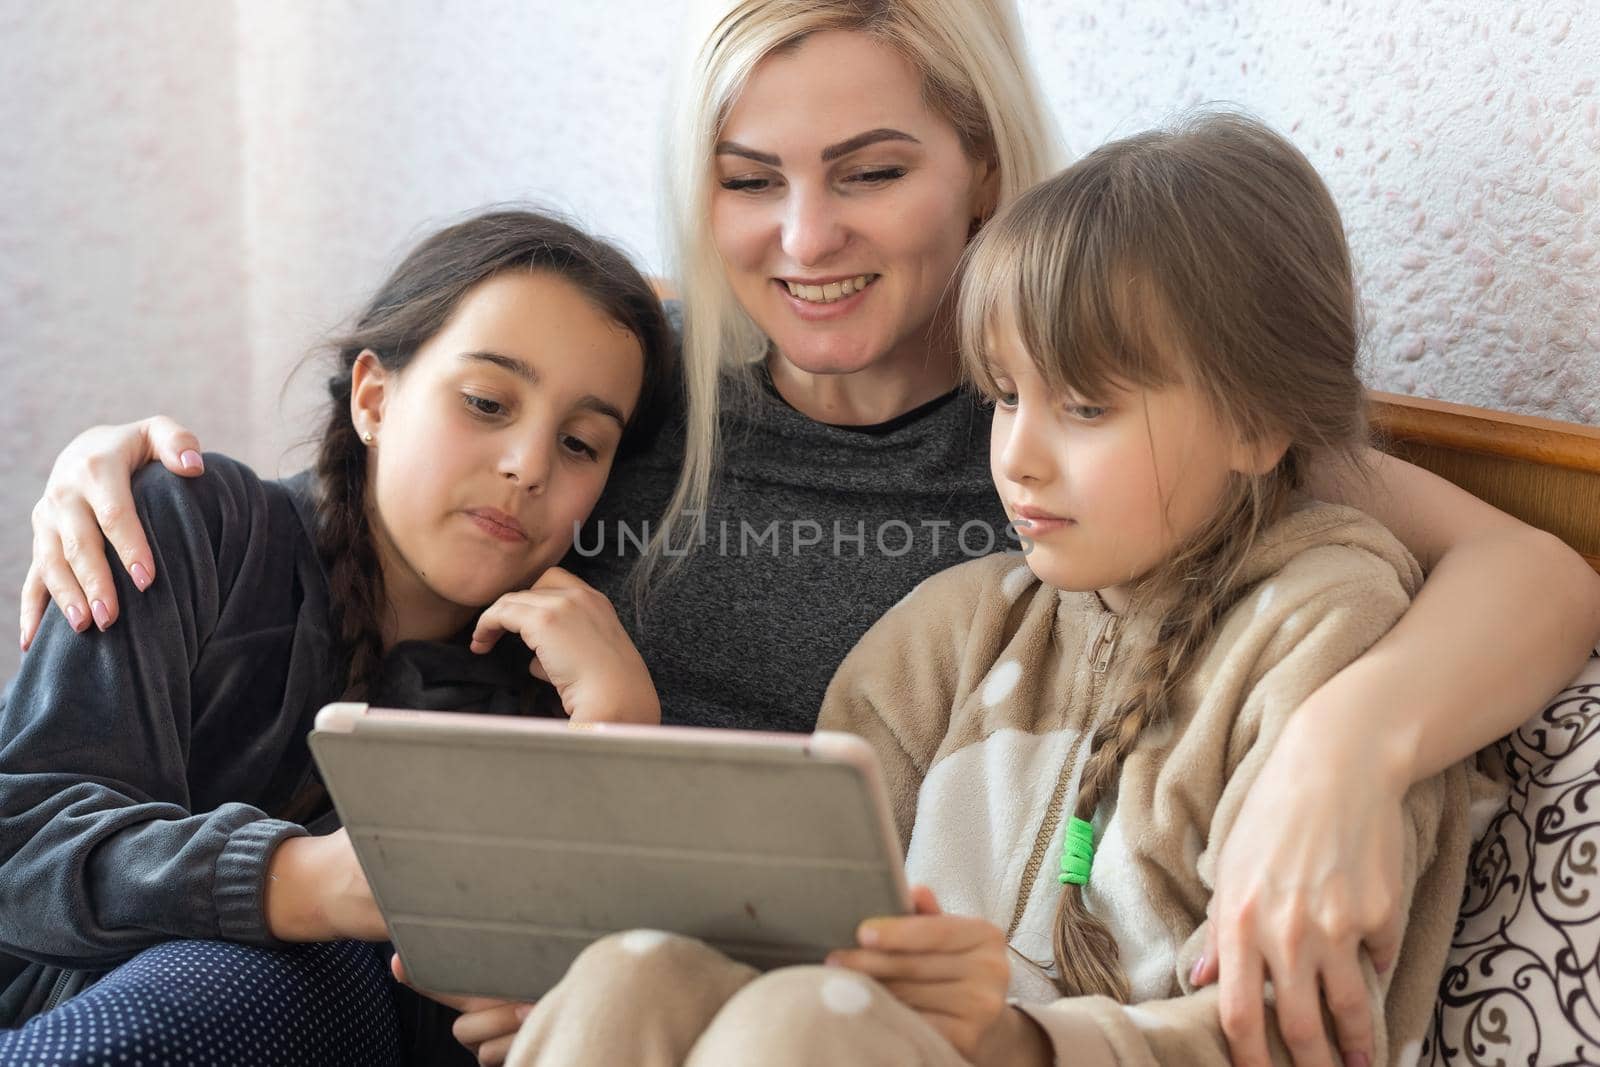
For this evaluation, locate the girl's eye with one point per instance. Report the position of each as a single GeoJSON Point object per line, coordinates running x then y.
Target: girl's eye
{"type": "Point", "coordinates": [745, 185]}
{"type": "Point", "coordinates": [481, 405]}
{"type": "Point", "coordinates": [579, 447]}
{"type": "Point", "coordinates": [1086, 412]}
{"type": "Point", "coordinates": [877, 177]}
{"type": "Point", "coordinates": [1004, 395]}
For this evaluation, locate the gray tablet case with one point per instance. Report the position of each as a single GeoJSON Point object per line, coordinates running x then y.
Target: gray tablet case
{"type": "Point", "coordinates": [499, 848]}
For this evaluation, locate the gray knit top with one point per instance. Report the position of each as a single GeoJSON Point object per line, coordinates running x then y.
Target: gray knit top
{"type": "Point", "coordinates": [813, 532]}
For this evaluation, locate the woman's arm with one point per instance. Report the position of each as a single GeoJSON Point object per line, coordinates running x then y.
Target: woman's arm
{"type": "Point", "coordinates": [102, 846]}
{"type": "Point", "coordinates": [89, 491]}
{"type": "Point", "coordinates": [1507, 615]}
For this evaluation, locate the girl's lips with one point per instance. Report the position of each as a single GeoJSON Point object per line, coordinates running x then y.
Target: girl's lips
{"type": "Point", "coordinates": [1035, 524]}
{"type": "Point", "coordinates": [811, 312]}
{"type": "Point", "coordinates": [498, 525]}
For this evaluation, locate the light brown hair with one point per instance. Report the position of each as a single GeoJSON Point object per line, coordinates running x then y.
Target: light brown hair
{"type": "Point", "coordinates": [1208, 253]}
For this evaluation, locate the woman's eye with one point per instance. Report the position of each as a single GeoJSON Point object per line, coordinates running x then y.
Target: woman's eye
{"type": "Point", "coordinates": [745, 185]}
{"type": "Point", "coordinates": [579, 447]}
{"type": "Point", "coordinates": [877, 177]}
{"type": "Point", "coordinates": [1086, 412]}
{"type": "Point", "coordinates": [482, 405]}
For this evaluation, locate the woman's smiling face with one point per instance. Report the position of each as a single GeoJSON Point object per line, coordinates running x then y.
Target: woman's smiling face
{"type": "Point", "coordinates": [842, 204]}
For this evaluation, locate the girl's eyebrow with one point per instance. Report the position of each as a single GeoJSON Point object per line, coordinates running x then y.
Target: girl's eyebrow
{"type": "Point", "coordinates": [587, 402]}
{"type": "Point", "coordinates": [508, 363]}
{"type": "Point", "coordinates": [829, 154]}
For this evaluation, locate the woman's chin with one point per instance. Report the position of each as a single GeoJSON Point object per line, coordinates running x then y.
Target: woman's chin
{"type": "Point", "coordinates": [831, 355]}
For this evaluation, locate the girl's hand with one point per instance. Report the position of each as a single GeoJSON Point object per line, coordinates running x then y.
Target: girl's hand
{"type": "Point", "coordinates": [949, 969]}
{"type": "Point", "coordinates": [89, 493]}
{"type": "Point", "coordinates": [316, 891]}
{"type": "Point", "coordinates": [487, 1026]}
{"type": "Point", "coordinates": [1310, 872]}
{"type": "Point", "coordinates": [579, 646]}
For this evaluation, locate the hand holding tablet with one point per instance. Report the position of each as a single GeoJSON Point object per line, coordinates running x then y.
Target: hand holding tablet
{"type": "Point", "coordinates": [499, 848]}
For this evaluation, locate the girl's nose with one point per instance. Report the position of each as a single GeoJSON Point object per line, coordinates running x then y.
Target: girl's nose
{"type": "Point", "coordinates": [526, 464]}
{"type": "Point", "coordinates": [1022, 453]}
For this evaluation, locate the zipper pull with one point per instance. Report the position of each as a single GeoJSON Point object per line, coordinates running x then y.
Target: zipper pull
{"type": "Point", "coordinates": [1106, 645]}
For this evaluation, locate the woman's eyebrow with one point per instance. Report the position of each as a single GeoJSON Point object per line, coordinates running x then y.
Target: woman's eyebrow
{"type": "Point", "coordinates": [863, 140]}
{"type": "Point", "coordinates": [829, 154]}
{"type": "Point", "coordinates": [587, 402]}
{"type": "Point", "coordinates": [734, 148]}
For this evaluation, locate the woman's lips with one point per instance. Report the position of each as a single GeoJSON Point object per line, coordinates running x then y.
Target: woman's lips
{"type": "Point", "coordinates": [810, 311]}
{"type": "Point", "coordinates": [498, 525]}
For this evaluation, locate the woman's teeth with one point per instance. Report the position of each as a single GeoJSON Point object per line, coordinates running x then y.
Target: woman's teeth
{"type": "Point", "coordinates": [827, 294]}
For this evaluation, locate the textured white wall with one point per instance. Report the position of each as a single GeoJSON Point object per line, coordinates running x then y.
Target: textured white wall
{"type": "Point", "coordinates": [1460, 137]}
{"type": "Point", "coordinates": [192, 193]}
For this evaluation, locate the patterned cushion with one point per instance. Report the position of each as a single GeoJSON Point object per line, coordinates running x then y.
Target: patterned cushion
{"type": "Point", "coordinates": [1523, 982]}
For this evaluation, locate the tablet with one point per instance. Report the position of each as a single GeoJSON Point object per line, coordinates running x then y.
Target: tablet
{"type": "Point", "coordinates": [498, 848]}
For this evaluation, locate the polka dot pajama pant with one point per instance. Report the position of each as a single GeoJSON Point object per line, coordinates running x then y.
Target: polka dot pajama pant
{"type": "Point", "coordinates": [203, 1003]}
{"type": "Point", "coordinates": [650, 999]}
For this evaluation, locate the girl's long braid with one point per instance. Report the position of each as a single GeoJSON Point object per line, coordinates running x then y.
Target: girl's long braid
{"type": "Point", "coordinates": [344, 541]}
{"type": "Point", "coordinates": [1200, 584]}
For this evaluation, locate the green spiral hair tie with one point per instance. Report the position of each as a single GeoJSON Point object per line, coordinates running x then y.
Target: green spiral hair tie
{"type": "Point", "coordinates": [1077, 852]}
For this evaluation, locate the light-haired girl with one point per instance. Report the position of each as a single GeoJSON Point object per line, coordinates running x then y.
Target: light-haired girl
{"type": "Point", "coordinates": [155, 784]}
{"type": "Point", "coordinates": [1168, 331]}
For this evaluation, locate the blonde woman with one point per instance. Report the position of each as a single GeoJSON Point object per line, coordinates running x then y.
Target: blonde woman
{"type": "Point", "coordinates": [832, 161]}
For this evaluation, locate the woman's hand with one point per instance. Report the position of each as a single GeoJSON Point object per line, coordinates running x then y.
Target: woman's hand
{"type": "Point", "coordinates": [952, 971]}
{"type": "Point", "coordinates": [579, 646]}
{"type": "Point", "coordinates": [1309, 874]}
{"type": "Point", "coordinates": [487, 1026]}
{"type": "Point", "coordinates": [89, 493]}
{"type": "Point", "coordinates": [316, 891]}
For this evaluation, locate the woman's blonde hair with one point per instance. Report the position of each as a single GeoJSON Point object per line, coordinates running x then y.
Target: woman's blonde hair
{"type": "Point", "coordinates": [1210, 254]}
{"type": "Point", "coordinates": [975, 74]}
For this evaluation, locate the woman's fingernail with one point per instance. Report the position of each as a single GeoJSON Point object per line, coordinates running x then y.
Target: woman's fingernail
{"type": "Point", "coordinates": [1198, 970]}
{"type": "Point", "coordinates": [102, 617]}
{"type": "Point", "coordinates": [191, 460]}
{"type": "Point", "coordinates": [75, 617]}
{"type": "Point", "coordinates": [22, 640]}
{"type": "Point", "coordinates": [524, 1010]}
{"type": "Point", "coordinates": [868, 935]}
{"type": "Point", "coordinates": [141, 576]}
{"type": "Point", "coordinates": [1355, 1059]}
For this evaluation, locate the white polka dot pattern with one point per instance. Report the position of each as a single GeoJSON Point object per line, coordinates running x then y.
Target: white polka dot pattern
{"type": "Point", "coordinates": [1001, 681]}
{"type": "Point", "coordinates": [220, 1004]}
{"type": "Point", "coordinates": [845, 995]}
{"type": "Point", "coordinates": [639, 942]}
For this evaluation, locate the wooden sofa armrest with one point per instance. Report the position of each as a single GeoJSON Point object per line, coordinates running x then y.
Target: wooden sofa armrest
{"type": "Point", "coordinates": [1544, 472]}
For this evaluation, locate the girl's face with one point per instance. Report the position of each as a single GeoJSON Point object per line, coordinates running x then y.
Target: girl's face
{"type": "Point", "coordinates": [842, 204]}
{"type": "Point", "coordinates": [1103, 493]}
{"type": "Point", "coordinates": [491, 444]}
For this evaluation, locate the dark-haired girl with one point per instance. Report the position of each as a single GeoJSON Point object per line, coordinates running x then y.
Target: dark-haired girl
{"type": "Point", "coordinates": [155, 785]}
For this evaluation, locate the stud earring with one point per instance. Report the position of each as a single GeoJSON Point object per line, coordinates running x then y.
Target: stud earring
{"type": "Point", "coordinates": [366, 438]}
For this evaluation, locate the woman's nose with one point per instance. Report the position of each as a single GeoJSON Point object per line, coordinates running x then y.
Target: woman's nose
{"type": "Point", "coordinates": [812, 229]}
